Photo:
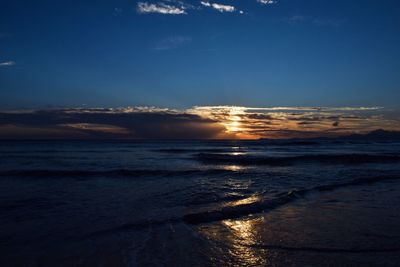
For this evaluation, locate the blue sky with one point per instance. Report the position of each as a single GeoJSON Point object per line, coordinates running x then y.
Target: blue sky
{"type": "Point", "coordinates": [178, 54]}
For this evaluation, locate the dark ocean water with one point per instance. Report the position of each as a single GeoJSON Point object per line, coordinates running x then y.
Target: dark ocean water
{"type": "Point", "coordinates": [199, 203]}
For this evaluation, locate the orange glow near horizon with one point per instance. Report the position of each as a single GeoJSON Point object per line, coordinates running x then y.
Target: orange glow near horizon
{"type": "Point", "coordinates": [295, 122]}
{"type": "Point", "coordinates": [204, 122]}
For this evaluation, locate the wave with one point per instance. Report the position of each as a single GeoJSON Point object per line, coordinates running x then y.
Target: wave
{"type": "Point", "coordinates": [215, 158]}
{"type": "Point", "coordinates": [233, 212]}
{"type": "Point", "coordinates": [213, 197]}
{"type": "Point", "coordinates": [107, 173]}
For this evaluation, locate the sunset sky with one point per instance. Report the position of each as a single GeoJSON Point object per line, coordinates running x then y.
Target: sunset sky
{"type": "Point", "coordinates": [205, 122]}
{"type": "Point", "coordinates": [204, 69]}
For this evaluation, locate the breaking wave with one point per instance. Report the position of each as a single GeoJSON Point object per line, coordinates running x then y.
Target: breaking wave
{"type": "Point", "coordinates": [241, 210]}
{"type": "Point", "coordinates": [262, 204]}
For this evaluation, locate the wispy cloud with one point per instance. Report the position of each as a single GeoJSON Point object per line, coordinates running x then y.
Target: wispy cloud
{"type": "Point", "coordinates": [223, 8]}
{"type": "Point", "coordinates": [178, 7]}
{"type": "Point", "coordinates": [220, 7]}
{"type": "Point", "coordinates": [205, 3]}
{"type": "Point", "coordinates": [173, 42]}
{"type": "Point", "coordinates": [117, 11]}
{"type": "Point", "coordinates": [7, 64]}
{"type": "Point", "coordinates": [291, 109]}
{"type": "Point", "coordinates": [161, 8]}
{"type": "Point", "coordinates": [267, 2]}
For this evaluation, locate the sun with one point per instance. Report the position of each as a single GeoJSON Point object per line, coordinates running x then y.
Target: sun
{"type": "Point", "coordinates": [233, 124]}
{"type": "Point", "coordinates": [232, 118]}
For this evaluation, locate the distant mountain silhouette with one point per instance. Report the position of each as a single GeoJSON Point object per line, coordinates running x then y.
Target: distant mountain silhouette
{"type": "Point", "coordinates": [377, 135]}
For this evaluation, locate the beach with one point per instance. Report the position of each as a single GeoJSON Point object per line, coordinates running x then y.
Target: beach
{"type": "Point", "coordinates": [199, 203]}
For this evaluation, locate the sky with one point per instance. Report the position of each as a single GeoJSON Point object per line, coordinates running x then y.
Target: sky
{"type": "Point", "coordinates": [179, 55]}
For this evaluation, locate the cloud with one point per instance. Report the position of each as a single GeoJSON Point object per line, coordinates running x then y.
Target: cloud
{"type": "Point", "coordinates": [161, 8]}
{"type": "Point", "coordinates": [223, 8]}
{"type": "Point", "coordinates": [205, 3]}
{"type": "Point", "coordinates": [117, 11]}
{"type": "Point", "coordinates": [177, 7]}
{"type": "Point", "coordinates": [267, 2]}
{"type": "Point", "coordinates": [7, 64]}
{"type": "Point", "coordinates": [137, 123]}
{"type": "Point", "coordinates": [173, 42]}
{"type": "Point", "coordinates": [285, 122]}
{"type": "Point", "coordinates": [292, 109]}
{"type": "Point", "coordinates": [220, 122]}
{"type": "Point", "coordinates": [220, 7]}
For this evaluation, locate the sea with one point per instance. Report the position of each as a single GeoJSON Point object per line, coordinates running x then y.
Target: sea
{"type": "Point", "coordinates": [199, 203]}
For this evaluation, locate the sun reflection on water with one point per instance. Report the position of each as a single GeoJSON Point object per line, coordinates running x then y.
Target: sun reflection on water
{"type": "Point", "coordinates": [233, 168]}
{"type": "Point", "coordinates": [238, 237]}
{"type": "Point", "coordinates": [237, 153]}
{"type": "Point", "coordinates": [241, 228]}
{"type": "Point", "coordinates": [246, 201]}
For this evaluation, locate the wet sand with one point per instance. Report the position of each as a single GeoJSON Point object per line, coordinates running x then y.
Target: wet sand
{"type": "Point", "coordinates": [351, 226]}
{"type": "Point", "coordinates": [354, 226]}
